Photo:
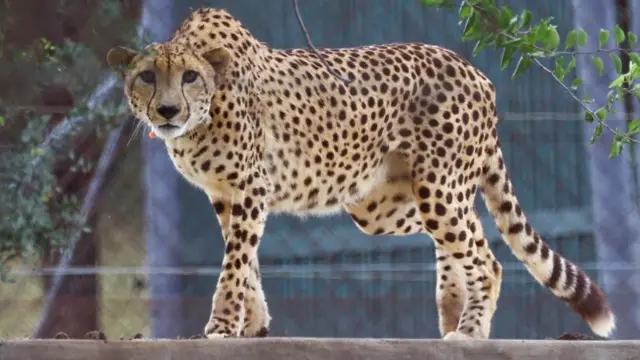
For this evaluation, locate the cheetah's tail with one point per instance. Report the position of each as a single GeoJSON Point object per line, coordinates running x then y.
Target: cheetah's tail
{"type": "Point", "coordinates": [550, 269]}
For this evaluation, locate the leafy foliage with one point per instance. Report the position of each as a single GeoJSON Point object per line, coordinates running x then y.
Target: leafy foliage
{"type": "Point", "coordinates": [539, 44]}
{"type": "Point", "coordinates": [37, 211]}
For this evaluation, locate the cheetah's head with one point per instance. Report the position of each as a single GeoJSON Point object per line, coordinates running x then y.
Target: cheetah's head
{"type": "Point", "coordinates": [169, 86]}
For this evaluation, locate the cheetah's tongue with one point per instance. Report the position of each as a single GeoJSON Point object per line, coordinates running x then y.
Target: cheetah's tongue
{"type": "Point", "coordinates": [152, 134]}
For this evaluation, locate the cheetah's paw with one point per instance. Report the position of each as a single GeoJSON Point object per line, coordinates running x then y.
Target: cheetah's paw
{"type": "Point", "coordinates": [214, 336]}
{"type": "Point", "coordinates": [453, 335]}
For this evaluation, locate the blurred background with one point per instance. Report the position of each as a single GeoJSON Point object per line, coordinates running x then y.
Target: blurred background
{"type": "Point", "coordinates": [144, 248]}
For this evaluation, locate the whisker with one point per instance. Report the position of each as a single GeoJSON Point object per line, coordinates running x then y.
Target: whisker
{"type": "Point", "coordinates": [135, 132]}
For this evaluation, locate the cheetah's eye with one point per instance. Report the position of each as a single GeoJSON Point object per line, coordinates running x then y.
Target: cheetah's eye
{"type": "Point", "coordinates": [189, 76]}
{"type": "Point", "coordinates": [148, 76]}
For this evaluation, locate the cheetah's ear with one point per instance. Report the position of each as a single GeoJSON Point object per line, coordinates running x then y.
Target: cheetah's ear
{"type": "Point", "coordinates": [218, 58]}
{"type": "Point", "coordinates": [119, 58]}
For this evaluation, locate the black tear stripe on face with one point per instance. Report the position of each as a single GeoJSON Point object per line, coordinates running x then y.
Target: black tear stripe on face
{"type": "Point", "coordinates": [187, 103]}
{"type": "Point", "coordinates": [155, 83]}
{"type": "Point", "coordinates": [184, 96]}
{"type": "Point", "coordinates": [204, 83]}
{"type": "Point", "coordinates": [206, 90]}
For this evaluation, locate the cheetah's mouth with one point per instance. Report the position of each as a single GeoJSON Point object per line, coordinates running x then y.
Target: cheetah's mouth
{"type": "Point", "coordinates": [169, 131]}
{"type": "Point", "coordinates": [167, 127]}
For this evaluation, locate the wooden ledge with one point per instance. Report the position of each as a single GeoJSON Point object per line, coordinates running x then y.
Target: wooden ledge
{"type": "Point", "coordinates": [317, 349]}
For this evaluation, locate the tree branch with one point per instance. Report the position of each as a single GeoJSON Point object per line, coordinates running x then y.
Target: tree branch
{"type": "Point", "coordinates": [70, 126]}
{"type": "Point", "coordinates": [314, 49]}
{"type": "Point", "coordinates": [490, 26]}
{"type": "Point", "coordinates": [91, 199]}
{"type": "Point", "coordinates": [575, 97]}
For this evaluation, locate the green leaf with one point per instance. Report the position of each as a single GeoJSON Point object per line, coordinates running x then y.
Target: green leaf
{"type": "Point", "coordinates": [596, 133]}
{"type": "Point", "coordinates": [2, 121]}
{"type": "Point", "coordinates": [507, 55]}
{"type": "Point", "coordinates": [633, 39]}
{"type": "Point", "coordinates": [513, 24]}
{"type": "Point", "coordinates": [479, 46]}
{"type": "Point", "coordinates": [634, 127]}
{"type": "Point", "coordinates": [465, 11]}
{"type": "Point", "coordinates": [553, 38]}
{"type": "Point", "coordinates": [613, 94]}
{"type": "Point", "coordinates": [523, 65]}
{"type": "Point", "coordinates": [575, 83]}
{"type": "Point", "coordinates": [438, 3]}
{"type": "Point", "coordinates": [588, 98]}
{"type": "Point", "coordinates": [470, 28]}
{"type": "Point", "coordinates": [582, 37]}
{"type": "Point", "coordinates": [506, 17]}
{"type": "Point", "coordinates": [525, 18]}
{"type": "Point", "coordinates": [570, 41]}
{"type": "Point", "coordinates": [634, 71]}
{"type": "Point", "coordinates": [617, 63]}
{"type": "Point", "coordinates": [558, 71]}
{"type": "Point", "coordinates": [540, 33]}
{"type": "Point", "coordinates": [588, 117]}
{"type": "Point", "coordinates": [602, 113]}
{"type": "Point", "coordinates": [603, 37]}
{"type": "Point", "coordinates": [598, 63]}
{"type": "Point", "coordinates": [635, 58]}
{"type": "Point", "coordinates": [619, 34]}
{"type": "Point", "coordinates": [616, 148]}
{"type": "Point", "coordinates": [513, 42]}
{"type": "Point", "coordinates": [617, 82]}
{"type": "Point", "coordinates": [571, 65]}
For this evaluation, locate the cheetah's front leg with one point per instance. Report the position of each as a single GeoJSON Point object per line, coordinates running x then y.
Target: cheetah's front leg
{"type": "Point", "coordinates": [257, 318]}
{"type": "Point", "coordinates": [246, 226]}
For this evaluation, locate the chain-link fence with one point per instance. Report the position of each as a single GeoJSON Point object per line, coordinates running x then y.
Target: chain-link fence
{"type": "Point", "coordinates": [156, 248]}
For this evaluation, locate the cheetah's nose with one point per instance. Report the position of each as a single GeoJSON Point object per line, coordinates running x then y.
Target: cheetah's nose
{"type": "Point", "coordinates": [168, 111]}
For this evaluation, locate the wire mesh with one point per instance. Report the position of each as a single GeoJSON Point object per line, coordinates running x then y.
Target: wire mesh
{"type": "Point", "coordinates": [323, 277]}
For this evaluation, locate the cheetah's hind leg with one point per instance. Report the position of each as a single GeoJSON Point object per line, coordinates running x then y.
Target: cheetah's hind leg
{"type": "Point", "coordinates": [450, 225]}
{"type": "Point", "coordinates": [257, 318]}
{"type": "Point", "coordinates": [389, 208]}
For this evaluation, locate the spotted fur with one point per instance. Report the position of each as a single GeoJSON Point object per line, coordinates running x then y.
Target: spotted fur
{"type": "Point", "coordinates": [403, 149]}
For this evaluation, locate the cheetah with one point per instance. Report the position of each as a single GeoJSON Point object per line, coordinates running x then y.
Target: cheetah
{"type": "Point", "coordinates": [403, 149]}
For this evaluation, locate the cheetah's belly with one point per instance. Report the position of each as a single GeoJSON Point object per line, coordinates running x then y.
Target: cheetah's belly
{"type": "Point", "coordinates": [319, 194]}
{"type": "Point", "coordinates": [321, 190]}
